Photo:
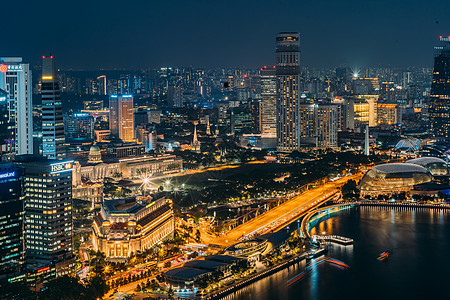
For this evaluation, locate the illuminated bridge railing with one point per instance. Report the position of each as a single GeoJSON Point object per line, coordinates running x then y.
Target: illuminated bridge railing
{"type": "Point", "coordinates": [311, 219]}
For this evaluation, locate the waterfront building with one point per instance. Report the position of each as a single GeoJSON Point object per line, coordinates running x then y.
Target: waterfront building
{"type": "Point", "coordinates": [79, 125]}
{"type": "Point", "coordinates": [53, 138]}
{"type": "Point", "coordinates": [121, 120]}
{"type": "Point", "coordinates": [16, 80]}
{"type": "Point", "coordinates": [288, 98]}
{"type": "Point", "coordinates": [132, 225]}
{"type": "Point", "coordinates": [436, 166]}
{"type": "Point", "coordinates": [439, 106]}
{"type": "Point", "coordinates": [12, 196]}
{"type": "Point", "coordinates": [187, 276]}
{"type": "Point", "coordinates": [393, 178]}
{"type": "Point", "coordinates": [48, 213]}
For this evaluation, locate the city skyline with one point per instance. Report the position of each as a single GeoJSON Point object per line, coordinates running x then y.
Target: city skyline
{"type": "Point", "coordinates": [157, 34]}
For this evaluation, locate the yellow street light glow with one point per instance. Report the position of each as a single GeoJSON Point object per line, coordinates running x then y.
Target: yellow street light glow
{"type": "Point", "coordinates": [47, 77]}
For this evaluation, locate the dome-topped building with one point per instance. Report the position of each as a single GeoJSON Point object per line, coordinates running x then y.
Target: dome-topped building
{"type": "Point", "coordinates": [435, 165]}
{"type": "Point", "coordinates": [95, 155]}
{"type": "Point", "coordinates": [394, 177]}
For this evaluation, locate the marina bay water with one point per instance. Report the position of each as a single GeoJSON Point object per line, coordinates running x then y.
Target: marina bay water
{"type": "Point", "coordinates": [418, 267]}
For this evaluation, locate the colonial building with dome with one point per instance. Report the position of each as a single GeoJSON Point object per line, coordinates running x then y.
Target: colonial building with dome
{"type": "Point", "coordinates": [131, 225]}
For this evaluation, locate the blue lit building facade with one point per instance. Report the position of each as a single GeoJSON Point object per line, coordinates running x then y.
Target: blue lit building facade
{"type": "Point", "coordinates": [79, 126]}
{"type": "Point", "coordinates": [15, 80]}
{"type": "Point", "coordinates": [7, 136]}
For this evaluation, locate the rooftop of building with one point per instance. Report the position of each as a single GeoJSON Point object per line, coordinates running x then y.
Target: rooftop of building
{"type": "Point", "coordinates": [223, 258]}
{"type": "Point", "coordinates": [185, 273]}
{"type": "Point", "coordinates": [205, 264]}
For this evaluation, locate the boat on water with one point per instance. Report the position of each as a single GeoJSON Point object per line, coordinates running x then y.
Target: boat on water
{"type": "Point", "coordinates": [383, 256]}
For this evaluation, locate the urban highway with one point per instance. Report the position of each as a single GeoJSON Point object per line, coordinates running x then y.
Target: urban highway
{"type": "Point", "coordinates": [285, 213]}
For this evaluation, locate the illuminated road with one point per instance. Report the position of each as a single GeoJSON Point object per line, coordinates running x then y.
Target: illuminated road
{"type": "Point", "coordinates": [282, 215]}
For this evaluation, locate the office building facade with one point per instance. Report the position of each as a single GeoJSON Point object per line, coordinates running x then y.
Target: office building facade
{"type": "Point", "coordinates": [288, 76]}
{"type": "Point", "coordinates": [439, 105]}
{"type": "Point", "coordinates": [15, 80]}
{"type": "Point", "coordinates": [268, 102]}
{"type": "Point", "coordinates": [121, 119]}
{"type": "Point", "coordinates": [53, 138]}
{"type": "Point", "coordinates": [48, 213]}
{"type": "Point", "coordinates": [79, 125]}
{"type": "Point", "coordinates": [11, 218]}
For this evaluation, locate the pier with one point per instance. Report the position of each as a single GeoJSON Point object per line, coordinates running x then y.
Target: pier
{"type": "Point", "coordinates": [342, 240]}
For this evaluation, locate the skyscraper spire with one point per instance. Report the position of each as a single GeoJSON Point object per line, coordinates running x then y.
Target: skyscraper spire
{"type": "Point", "coordinates": [195, 143]}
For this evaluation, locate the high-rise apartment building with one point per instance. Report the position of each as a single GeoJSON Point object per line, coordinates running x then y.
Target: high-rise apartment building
{"type": "Point", "coordinates": [175, 96]}
{"type": "Point", "coordinates": [318, 125]}
{"type": "Point", "coordinates": [268, 102]}
{"type": "Point", "coordinates": [48, 212]}
{"type": "Point", "coordinates": [121, 120]}
{"type": "Point", "coordinates": [288, 75]}
{"type": "Point", "coordinates": [439, 106]}
{"type": "Point", "coordinates": [52, 119]}
{"type": "Point", "coordinates": [15, 80]}
{"type": "Point", "coordinates": [327, 117]}
{"type": "Point", "coordinates": [11, 218]}
{"type": "Point", "coordinates": [102, 85]}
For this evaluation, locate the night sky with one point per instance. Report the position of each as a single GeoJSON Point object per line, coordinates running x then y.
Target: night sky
{"type": "Point", "coordinates": [130, 34]}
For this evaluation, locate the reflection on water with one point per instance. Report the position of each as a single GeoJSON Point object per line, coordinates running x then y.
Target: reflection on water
{"type": "Point", "coordinates": [417, 238]}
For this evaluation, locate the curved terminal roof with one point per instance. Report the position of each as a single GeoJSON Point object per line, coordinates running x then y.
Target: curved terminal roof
{"type": "Point", "coordinates": [394, 176]}
{"type": "Point", "coordinates": [435, 165]}
{"type": "Point", "coordinates": [411, 144]}
{"type": "Point", "coordinates": [423, 161]}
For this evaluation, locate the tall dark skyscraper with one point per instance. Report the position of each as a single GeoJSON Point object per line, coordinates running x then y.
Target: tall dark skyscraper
{"type": "Point", "coordinates": [288, 76]}
{"type": "Point", "coordinates": [6, 126]}
{"type": "Point", "coordinates": [439, 106]}
{"type": "Point", "coordinates": [53, 138]}
{"type": "Point", "coordinates": [11, 218]}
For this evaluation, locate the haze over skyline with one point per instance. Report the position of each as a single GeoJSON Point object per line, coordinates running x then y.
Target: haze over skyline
{"type": "Point", "coordinates": [119, 34]}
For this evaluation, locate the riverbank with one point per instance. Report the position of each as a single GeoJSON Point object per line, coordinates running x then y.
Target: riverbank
{"type": "Point", "coordinates": [239, 285]}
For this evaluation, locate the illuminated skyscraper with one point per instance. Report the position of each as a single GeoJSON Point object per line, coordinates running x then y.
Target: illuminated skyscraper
{"type": "Point", "coordinates": [52, 119]}
{"type": "Point", "coordinates": [288, 73]}
{"type": "Point", "coordinates": [268, 102]}
{"type": "Point", "coordinates": [48, 212]}
{"type": "Point", "coordinates": [15, 80]}
{"type": "Point", "coordinates": [121, 120]}
{"type": "Point", "coordinates": [318, 125]}
{"type": "Point", "coordinates": [102, 85]}
{"type": "Point", "coordinates": [439, 106]}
